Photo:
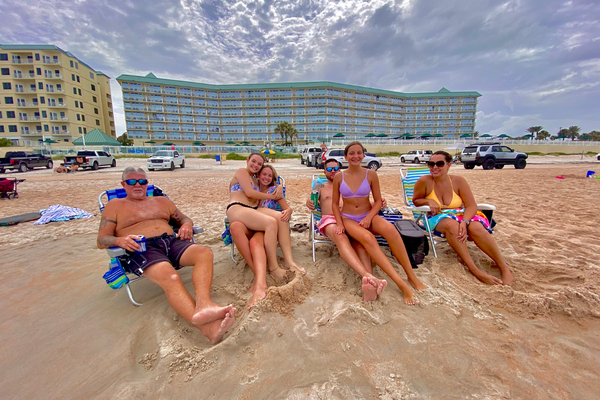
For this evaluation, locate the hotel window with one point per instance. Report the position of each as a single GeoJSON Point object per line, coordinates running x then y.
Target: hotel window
{"type": "Point", "coordinates": [8, 100]}
{"type": "Point", "coordinates": [1, 128]}
{"type": "Point", "coordinates": [84, 130]}
{"type": "Point", "coordinates": [74, 89]}
{"type": "Point", "coordinates": [94, 99]}
{"type": "Point", "coordinates": [98, 122]}
{"type": "Point", "coordinates": [70, 63]}
{"type": "Point", "coordinates": [10, 114]}
{"type": "Point", "coordinates": [95, 111]}
{"type": "Point", "coordinates": [5, 71]}
{"type": "Point", "coordinates": [76, 104]}
{"type": "Point", "coordinates": [83, 117]}
{"type": "Point", "coordinates": [12, 128]}
{"type": "Point", "coordinates": [93, 87]}
{"type": "Point", "coordinates": [91, 75]}
{"type": "Point", "coordinates": [78, 117]}
{"type": "Point", "coordinates": [72, 77]}
{"type": "Point", "coordinates": [77, 67]}
{"type": "Point", "coordinates": [77, 75]}
{"type": "Point", "coordinates": [6, 85]}
{"type": "Point", "coordinates": [3, 57]}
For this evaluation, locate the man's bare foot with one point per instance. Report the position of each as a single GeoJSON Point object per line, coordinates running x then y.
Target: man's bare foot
{"type": "Point", "coordinates": [417, 284]}
{"type": "Point", "coordinates": [369, 287]}
{"type": "Point", "coordinates": [210, 313]}
{"type": "Point", "coordinates": [259, 294]}
{"type": "Point", "coordinates": [295, 267]}
{"type": "Point", "coordinates": [507, 277]}
{"type": "Point", "coordinates": [278, 274]}
{"type": "Point", "coordinates": [489, 279]}
{"type": "Point", "coordinates": [215, 330]}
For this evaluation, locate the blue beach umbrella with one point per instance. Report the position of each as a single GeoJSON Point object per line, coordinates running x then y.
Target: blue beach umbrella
{"type": "Point", "coordinates": [267, 152]}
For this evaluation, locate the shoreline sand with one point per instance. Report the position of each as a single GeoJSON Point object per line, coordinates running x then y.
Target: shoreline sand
{"type": "Point", "coordinates": [67, 335]}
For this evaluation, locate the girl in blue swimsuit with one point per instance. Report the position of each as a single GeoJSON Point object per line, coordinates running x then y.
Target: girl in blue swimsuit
{"type": "Point", "coordinates": [359, 219]}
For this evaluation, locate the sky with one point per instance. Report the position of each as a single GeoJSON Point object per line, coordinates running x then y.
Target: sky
{"type": "Point", "coordinates": [535, 62]}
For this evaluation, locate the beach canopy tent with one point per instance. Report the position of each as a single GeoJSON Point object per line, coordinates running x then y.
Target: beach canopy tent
{"type": "Point", "coordinates": [561, 137]}
{"type": "Point", "coordinates": [339, 135]}
{"type": "Point", "coordinates": [382, 135]}
{"type": "Point", "coordinates": [230, 142]}
{"type": "Point", "coordinates": [150, 141]}
{"type": "Point", "coordinates": [96, 137]}
{"type": "Point", "coordinates": [50, 141]}
{"type": "Point", "coordinates": [486, 135]}
{"type": "Point", "coordinates": [585, 137]}
{"type": "Point", "coordinates": [438, 135]}
{"type": "Point", "coordinates": [427, 135]}
{"type": "Point", "coordinates": [370, 135]}
{"type": "Point", "coordinates": [464, 135]}
{"type": "Point", "coordinates": [167, 144]}
{"type": "Point", "coordinates": [504, 135]}
{"type": "Point", "coordinates": [526, 136]}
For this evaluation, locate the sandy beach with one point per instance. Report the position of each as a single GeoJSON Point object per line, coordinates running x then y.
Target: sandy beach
{"type": "Point", "coordinates": [67, 335]}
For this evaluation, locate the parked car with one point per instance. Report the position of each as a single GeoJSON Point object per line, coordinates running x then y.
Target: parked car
{"type": "Point", "coordinates": [24, 161]}
{"type": "Point", "coordinates": [305, 155]}
{"type": "Point", "coordinates": [492, 155]}
{"type": "Point", "coordinates": [416, 156]}
{"type": "Point", "coordinates": [598, 156]}
{"type": "Point", "coordinates": [93, 159]}
{"type": "Point", "coordinates": [370, 161]}
{"type": "Point", "coordinates": [166, 159]}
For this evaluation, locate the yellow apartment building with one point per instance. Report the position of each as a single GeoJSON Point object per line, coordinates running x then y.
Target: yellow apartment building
{"type": "Point", "coordinates": [48, 93]}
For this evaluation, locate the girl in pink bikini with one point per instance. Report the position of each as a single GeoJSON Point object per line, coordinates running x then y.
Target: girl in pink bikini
{"type": "Point", "coordinates": [359, 219]}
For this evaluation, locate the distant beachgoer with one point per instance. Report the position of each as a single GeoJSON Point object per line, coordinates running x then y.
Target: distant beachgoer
{"type": "Point", "coordinates": [359, 218]}
{"type": "Point", "coordinates": [324, 146]}
{"type": "Point", "coordinates": [446, 195]}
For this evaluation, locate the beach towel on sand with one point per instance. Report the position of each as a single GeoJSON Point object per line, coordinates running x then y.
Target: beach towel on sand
{"type": "Point", "coordinates": [61, 213]}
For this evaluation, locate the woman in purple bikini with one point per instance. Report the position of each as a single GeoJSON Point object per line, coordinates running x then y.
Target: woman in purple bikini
{"type": "Point", "coordinates": [359, 219]}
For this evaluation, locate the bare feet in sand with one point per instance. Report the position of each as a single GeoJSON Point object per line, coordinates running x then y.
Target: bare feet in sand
{"type": "Point", "coordinates": [215, 330]}
{"type": "Point", "coordinates": [489, 279]}
{"type": "Point", "coordinates": [507, 277]}
{"type": "Point", "coordinates": [295, 267]}
{"type": "Point", "coordinates": [417, 284]}
{"type": "Point", "coordinates": [259, 294]}
{"type": "Point", "coordinates": [409, 298]}
{"type": "Point", "coordinates": [210, 313]}
{"type": "Point", "coordinates": [372, 287]}
{"type": "Point", "coordinates": [278, 274]}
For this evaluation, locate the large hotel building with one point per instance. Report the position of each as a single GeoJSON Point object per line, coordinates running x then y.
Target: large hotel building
{"type": "Point", "coordinates": [47, 93]}
{"type": "Point", "coordinates": [182, 112]}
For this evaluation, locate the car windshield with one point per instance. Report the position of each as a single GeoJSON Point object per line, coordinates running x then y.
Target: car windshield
{"type": "Point", "coordinates": [162, 153]}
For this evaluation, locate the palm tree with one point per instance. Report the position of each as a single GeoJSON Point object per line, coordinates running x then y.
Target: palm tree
{"type": "Point", "coordinates": [573, 132]}
{"type": "Point", "coordinates": [542, 135]}
{"type": "Point", "coordinates": [285, 130]}
{"type": "Point", "coordinates": [594, 135]}
{"type": "Point", "coordinates": [534, 130]}
{"type": "Point", "coordinates": [475, 134]}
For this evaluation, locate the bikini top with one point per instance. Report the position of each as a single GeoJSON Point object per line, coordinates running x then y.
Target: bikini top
{"type": "Point", "coordinates": [363, 190]}
{"type": "Point", "coordinates": [456, 201]}
{"type": "Point", "coordinates": [236, 187]}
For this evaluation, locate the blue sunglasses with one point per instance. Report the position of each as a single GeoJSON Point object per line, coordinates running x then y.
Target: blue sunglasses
{"type": "Point", "coordinates": [329, 169]}
{"type": "Point", "coordinates": [132, 182]}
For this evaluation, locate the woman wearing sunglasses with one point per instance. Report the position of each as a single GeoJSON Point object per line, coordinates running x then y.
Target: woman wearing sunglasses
{"type": "Point", "coordinates": [360, 220]}
{"type": "Point", "coordinates": [454, 214]}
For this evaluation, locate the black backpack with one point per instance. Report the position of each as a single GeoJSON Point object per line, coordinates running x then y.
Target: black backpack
{"type": "Point", "coordinates": [414, 240]}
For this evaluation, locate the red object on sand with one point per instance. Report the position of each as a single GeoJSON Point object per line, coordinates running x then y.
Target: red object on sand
{"type": "Point", "coordinates": [560, 177]}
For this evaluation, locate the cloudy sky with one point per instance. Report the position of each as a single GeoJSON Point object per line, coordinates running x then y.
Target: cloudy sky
{"type": "Point", "coordinates": [536, 62]}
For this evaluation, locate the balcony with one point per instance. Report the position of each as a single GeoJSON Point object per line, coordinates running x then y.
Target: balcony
{"type": "Point", "coordinates": [59, 105]}
{"type": "Point", "coordinates": [65, 119]}
{"type": "Point", "coordinates": [27, 118]}
{"type": "Point", "coordinates": [23, 76]}
{"type": "Point", "coordinates": [26, 91]}
{"type": "Point", "coordinates": [27, 105]}
{"type": "Point", "coordinates": [19, 61]}
{"type": "Point", "coordinates": [60, 90]}
{"type": "Point", "coordinates": [61, 133]}
{"type": "Point", "coordinates": [49, 61]}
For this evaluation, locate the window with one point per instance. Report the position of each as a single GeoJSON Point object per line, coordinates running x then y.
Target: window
{"type": "Point", "coordinates": [78, 117]}
{"type": "Point", "coordinates": [38, 71]}
{"type": "Point", "coordinates": [76, 104]}
{"type": "Point", "coordinates": [5, 71]}
{"type": "Point", "coordinates": [71, 63]}
{"type": "Point", "coordinates": [72, 77]}
{"type": "Point", "coordinates": [79, 129]}
{"type": "Point", "coordinates": [6, 85]}
{"type": "Point", "coordinates": [77, 75]}
{"type": "Point", "coordinates": [79, 91]}
{"type": "Point", "coordinates": [93, 87]}
{"type": "Point", "coordinates": [3, 57]}
{"type": "Point", "coordinates": [95, 111]}
{"type": "Point", "coordinates": [46, 129]}
{"type": "Point", "coordinates": [74, 90]}
{"type": "Point", "coordinates": [8, 100]}
{"type": "Point", "coordinates": [12, 128]}
{"type": "Point", "coordinates": [91, 75]}
{"type": "Point", "coordinates": [94, 99]}
{"type": "Point", "coordinates": [42, 100]}
{"type": "Point", "coordinates": [10, 114]}
{"type": "Point", "coordinates": [81, 104]}
{"type": "Point", "coordinates": [1, 128]}
{"type": "Point", "coordinates": [83, 117]}
{"type": "Point", "coordinates": [37, 57]}
{"type": "Point", "coordinates": [84, 130]}
{"type": "Point", "coordinates": [98, 122]}
{"type": "Point", "coordinates": [77, 67]}
{"type": "Point", "coordinates": [0, 114]}
{"type": "Point", "coordinates": [44, 115]}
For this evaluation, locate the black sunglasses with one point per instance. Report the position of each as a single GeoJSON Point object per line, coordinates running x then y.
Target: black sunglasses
{"type": "Point", "coordinates": [132, 182]}
{"type": "Point", "coordinates": [439, 164]}
{"type": "Point", "coordinates": [329, 169]}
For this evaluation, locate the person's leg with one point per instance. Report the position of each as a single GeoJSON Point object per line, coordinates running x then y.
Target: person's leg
{"type": "Point", "coordinates": [259, 287]}
{"type": "Point", "coordinates": [241, 237]}
{"type": "Point", "coordinates": [257, 221]}
{"type": "Point", "coordinates": [285, 241]}
{"type": "Point", "coordinates": [370, 244]}
{"type": "Point", "coordinates": [485, 241]}
{"type": "Point", "coordinates": [362, 254]}
{"type": "Point", "coordinates": [381, 227]}
{"type": "Point", "coordinates": [449, 228]}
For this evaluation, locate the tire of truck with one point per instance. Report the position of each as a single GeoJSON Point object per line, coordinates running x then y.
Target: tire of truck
{"type": "Point", "coordinates": [150, 169]}
{"type": "Point", "coordinates": [113, 164]}
{"type": "Point", "coordinates": [23, 167]}
{"type": "Point", "coordinates": [469, 165]}
{"type": "Point", "coordinates": [95, 165]}
{"type": "Point", "coordinates": [301, 160]}
{"type": "Point", "coordinates": [49, 164]}
{"type": "Point", "coordinates": [521, 163]}
{"type": "Point", "coordinates": [499, 166]}
{"type": "Point", "coordinates": [402, 160]}
{"type": "Point", "coordinates": [308, 164]}
{"type": "Point", "coordinates": [373, 165]}
{"type": "Point", "coordinates": [182, 164]}
{"type": "Point", "coordinates": [416, 161]}
{"type": "Point", "coordinates": [172, 167]}
{"type": "Point", "coordinates": [488, 164]}
{"type": "Point", "coordinates": [1, 170]}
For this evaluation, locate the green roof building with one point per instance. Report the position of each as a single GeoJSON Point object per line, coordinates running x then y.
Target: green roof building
{"type": "Point", "coordinates": [182, 111]}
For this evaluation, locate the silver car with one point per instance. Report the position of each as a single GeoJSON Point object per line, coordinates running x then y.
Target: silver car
{"type": "Point", "coordinates": [492, 155]}
{"type": "Point", "coordinates": [369, 161]}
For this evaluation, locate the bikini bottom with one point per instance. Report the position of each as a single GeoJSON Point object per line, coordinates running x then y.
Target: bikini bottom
{"type": "Point", "coordinates": [356, 218]}
{"type": "Point", "coordinates": [240, 204]}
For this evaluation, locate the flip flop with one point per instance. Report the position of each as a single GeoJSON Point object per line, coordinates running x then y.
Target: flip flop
{"type": "Point", "coordinates": [303, 228]}
{"type": "Point", "coordinates": [296, 227]}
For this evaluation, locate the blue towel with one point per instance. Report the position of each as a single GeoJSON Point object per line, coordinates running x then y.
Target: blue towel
{"type": "Point", "coordinates": [61, 213]}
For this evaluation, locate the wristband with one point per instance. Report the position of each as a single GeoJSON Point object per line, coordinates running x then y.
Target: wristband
{"type": "Point", "coordinates": [467, 222]}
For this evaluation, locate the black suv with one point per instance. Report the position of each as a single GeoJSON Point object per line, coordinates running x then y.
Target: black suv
{"type": "Point", "coordinates": [492, 155]}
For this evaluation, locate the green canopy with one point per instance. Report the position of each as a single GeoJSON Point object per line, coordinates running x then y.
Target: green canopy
{"type": "Point", "coordinates": [339, 135]}
{"type": "Point", "coordinates": [486, 135]}
{"type": "Point", "coordinates": [50, 141]}
{"type": "Point", "coordinates": [585, 137]}
{"type": "Point", "coordinates": [150, 141]}
{"type": "Point", "coordinates": [464, 135]}
{"type": "Point", "coordinates": [382, 135]}
{"type": "Point", "coordinates": [167, 144]}
{"type": "Point", "coordinates": [426, 135]}
{"type": "Point", "coordinates": [237, 144]}
{"type": "Point", "coordinates": [527, 136]}
{"type": "Point", "coordinates": [370, 135]}
{"type": "Point", "coordinates": [503, 135]}
{"type": "Point", "coordinates": [96, 137]}
{"type": "Point", "coordinates": [230, 142]}
{"type": "Point", "coordinates": [405, 135]}
{"type": "Point", "coordinates": [561, 137]}
{"type": "Point", "coordinates": [245, 142]}
{"type": "Point", "coordinates": [197, 143]}
{"type": "Point", "coordinates": [438, 135]}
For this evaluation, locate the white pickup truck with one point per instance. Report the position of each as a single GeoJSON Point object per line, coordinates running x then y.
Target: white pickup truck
{"type": "Point", "coordinates": [92, 159]}
{"type": "Point", "coordinates": [166, 159]}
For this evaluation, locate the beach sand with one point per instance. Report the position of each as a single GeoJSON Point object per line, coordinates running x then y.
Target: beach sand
{"type": "Point", "coordinates": [67, 335]}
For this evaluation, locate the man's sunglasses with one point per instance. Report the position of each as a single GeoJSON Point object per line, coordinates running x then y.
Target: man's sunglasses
{"type": "Point", "coordinates": [132, 182]}
{"type": "Point", "coordinates": [329, 169]}
{"type": "Point", "coordinates": [439, 164]}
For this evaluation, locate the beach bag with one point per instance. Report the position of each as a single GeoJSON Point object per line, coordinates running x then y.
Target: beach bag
{"type": "Point", "coordinates": [414, 240]}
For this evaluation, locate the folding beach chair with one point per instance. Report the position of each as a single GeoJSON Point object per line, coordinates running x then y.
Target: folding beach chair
{"type": "Point", "coordinates": [227, 237]}
{"type": "Point", "coordinates": [315, 218]}
{"type": "Point", "coordinates": [118, 253]}
{"type": "Point", "coordinates": [410, 176]}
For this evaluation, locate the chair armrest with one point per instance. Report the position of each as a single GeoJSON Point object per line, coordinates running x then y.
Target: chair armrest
{"type": "Point", "coordinates": [114, 252]}
{"type": "Point", "coordinates": [419, 209]}
{"type": "Point", "coordinates": [484, 206]}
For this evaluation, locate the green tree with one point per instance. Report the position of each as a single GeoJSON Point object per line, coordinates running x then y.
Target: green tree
{"type": "Point", "coordinates": [543, 135]}
{"type": "Point", "coordinates": [534, 130]}
{"type": "Point", "coordinates": [286, 130]}
{"type": "Point", "coordinates": [124, 140]}
{"type": "Point", "coordinates": [4, 142]}
{"type": "Point", "coordinates": [594, 135]}
{"type": "Point", "coordinates": [475, 134]}
{"type": "Point", "coordinates": [573, 132]}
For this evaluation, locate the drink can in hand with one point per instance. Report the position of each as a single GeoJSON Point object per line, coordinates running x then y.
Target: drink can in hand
{"type": "Point", "coordinates": [314, 197]}
{"type": "Point", "coordinates": [141, 240]}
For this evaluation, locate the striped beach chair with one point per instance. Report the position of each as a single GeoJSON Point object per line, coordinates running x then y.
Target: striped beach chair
{"type": "Point", "coordinates": [114, 279]}
{"type": "Point", "coordinates": [410, 176]}
{"type": "Point", "coordinates": [316, 215]}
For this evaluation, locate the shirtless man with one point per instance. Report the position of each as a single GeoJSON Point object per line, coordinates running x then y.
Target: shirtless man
{"type": "Point", "coordinates": [138, 214]}
{"type": "Point", "coordinates": [354, 254]}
